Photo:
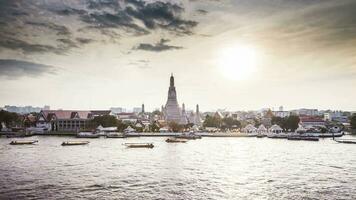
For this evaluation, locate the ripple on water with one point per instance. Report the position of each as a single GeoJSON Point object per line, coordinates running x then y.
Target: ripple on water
{"type": "Point", "coordinates": [210, 168]}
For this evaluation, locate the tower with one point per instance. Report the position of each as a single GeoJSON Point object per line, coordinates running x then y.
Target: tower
{"type": "Point", "coordinates": [171, 110]}
{"type": "Point", "coordinates": [197, 120]}
{"type": "Point", "coordinates": [143, 108]}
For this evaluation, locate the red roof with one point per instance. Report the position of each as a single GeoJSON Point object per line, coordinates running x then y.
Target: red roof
{"type": "Point", "coordinates": [65, 114]}
{"type": "Point", "coordinates": [311, 119]}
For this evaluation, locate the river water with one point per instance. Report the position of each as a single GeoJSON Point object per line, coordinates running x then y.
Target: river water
{"type": "Point", "coordinates": [209, 168]}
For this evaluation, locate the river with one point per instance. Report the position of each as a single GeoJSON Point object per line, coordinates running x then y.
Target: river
{"type": "Point", "coordinates": [208, 168]}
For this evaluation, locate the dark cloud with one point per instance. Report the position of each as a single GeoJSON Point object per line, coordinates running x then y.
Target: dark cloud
{"type": "Point", "coordinates": [84, 40]}
{"type": "Point", "coordinates": [201, 11]}
{"type": "Point", "coordinates": [164, 15]}
{"type": "Point", "coordinates": [100, 4]}
{"type": "Point", "coordinates": [26, 47]}
{"type": "Point", "coordinates": [13, 69]}
{"type": "Point", "coordinates": [120, 20]}
{"type": "Point", "coordinates": [158, 47]}
{"type": "Point", "coordinates": [25, 23]}
{"type": "Point", "coordinates": [60, 30]}
{"type": "Point", "coordinates": [67, 44]}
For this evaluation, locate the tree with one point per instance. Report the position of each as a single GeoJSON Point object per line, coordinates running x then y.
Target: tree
{"type": "Point", "coordinates": [9, 118]}
{"type": "Point", "coordinates": [279, 121]}
{"type": "Point", "coordinates": [212, 121]}
{"type": "Point", "coordinates": [154, 127]}
{"type": "Point", "coordinates": [353, 122]}
{"type": "Point", "coordinates": [121, 126]}
{"type": "Point", "coordinates": [175, 127]}
{"type": "Point", "coordinates": [229, 123]}
{"type": "Point", "coordinates": [288, 123]}
{"type": "Point", "coordinates": [292, 122]}
{"type": "Point", "coordinates": [105, 121]}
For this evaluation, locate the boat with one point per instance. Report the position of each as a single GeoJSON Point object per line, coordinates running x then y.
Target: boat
{"type": "Point", "coordinates": [139, 145]}
{"type": "Point", "coordinates": [306, 138]}
{"type": "Point", "coordinates": [23, 142]}
{"type": "Point", "coordinates": [114, 135]}
{"type": "Point", "coordinates": [329, 135]}
{"type": "Point", "coordinates": [346, 141]}
{"type": "Point", "coordinates": [176, 140]}
{"type": "Point", "coordinates": [277, 135]}
{"type": "Point", "coordinates": [190, 136]}
{"type": "Point", "coordinates": [259, 135]}
{"type": "Point", "coordinates": [72, 143]}
{"type": "Point", "coordinates": [87, 135]}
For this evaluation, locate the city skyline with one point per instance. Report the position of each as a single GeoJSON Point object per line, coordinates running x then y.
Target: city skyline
{"type": "Point", "coordinates": [239, 55]}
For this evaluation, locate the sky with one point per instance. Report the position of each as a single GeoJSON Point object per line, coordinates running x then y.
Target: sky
{"type": "Point", "coordinates": [233, 54]}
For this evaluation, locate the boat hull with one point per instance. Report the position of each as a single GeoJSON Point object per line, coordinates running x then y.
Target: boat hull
{"type": "Point", "coordinates": [74, 143]}
{"type": "Point", "coordinates": [23, 142]}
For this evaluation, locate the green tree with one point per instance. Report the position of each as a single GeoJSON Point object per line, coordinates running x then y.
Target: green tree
{"type": "Point", "coordinates": [175, 127]}
{"type": "Point", "coordinates": [229, 123]}
{"type": "Point", "coordinates": [10, 119]}
{"type": "Point", "coordinates": [154, 127]}
{"type": "Point", "coordinates": [353, 123]}
{"type": "Point", "coordinates": [212, 121]}
{"type": "Point", "coordinates": [105, 121]}
{"type": "Point", "coordinates": [291, 122]}
{"type": "Point", "coordinates": [279, 121]}
{"type": "Point", "coordinates": [121, 126]}
{"type": "Point", "coordinates": [288, 124]}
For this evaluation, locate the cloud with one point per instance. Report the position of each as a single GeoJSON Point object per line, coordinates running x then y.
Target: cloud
{"type": "Point", "coordinates": [61, 30]}
{"type": "Point", "coordinates": [13, 69]}
{"type": "Point", "coordinates": [54, 26]}
{"type": "Point", "coordinates": [158, 47]}
{"type": "Point", "coordinates": [85, 40]}
{"type": "Point", "coordinates": [202, 11]}
{"type": "Point", "coordinates": [26, 47]}
{"type": "Point", "coordinates": [164, 15]}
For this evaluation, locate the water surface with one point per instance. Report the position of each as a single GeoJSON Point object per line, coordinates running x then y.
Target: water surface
{"type": "Point", "coordinates": [210, 168]}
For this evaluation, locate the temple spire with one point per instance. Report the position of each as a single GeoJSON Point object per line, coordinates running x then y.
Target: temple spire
{"type": "Point", "coordinates": [172, 80]}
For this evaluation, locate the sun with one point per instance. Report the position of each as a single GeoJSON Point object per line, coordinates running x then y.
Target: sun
{"type": "Point", "coordinates": [237, 62]}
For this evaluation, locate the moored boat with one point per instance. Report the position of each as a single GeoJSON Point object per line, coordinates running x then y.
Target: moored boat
{"type": "Point", "coordinates": [176, 140]}
{"type": "Point", "coordinates": [115, 135]}
{"type": "Point", "coordinates": [346, 141]}
{"type": "Point", "coordinates": [306, 138]}
{"type": "Point", "coordinates": [190, 136]}
{"type": "Point", "coordinates": [23, 142]}
{"type": "Point", "coordinates": [139, 145]}
{"type": "Point", "coordinates": [87, 135]}
{"type": "Point", "coordinates": [329, 135]}
{"type": "Point", "coordinates": [71, 143]}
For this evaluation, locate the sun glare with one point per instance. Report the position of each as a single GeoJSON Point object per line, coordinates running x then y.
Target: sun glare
{"type": "Point", "coordinates": [237, 62]}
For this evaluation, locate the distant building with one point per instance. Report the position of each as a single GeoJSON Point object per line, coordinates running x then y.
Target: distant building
{"type": "Point", "coordinates": [337, 116]}
{"type": "Point", "coordinates": [67, 120]}
{"type": "Point", "coordinates": [307, 112]}
{"type": "Point", "coordinates": [117, 110]}
{"type": "Point", "coordinates": [128, 117]}
{"type": "Point", "coordinates": [23, 109]}
{"type": "Point", "coordinates": [312, 121]}
{"type": "Point", "coordinates": [281, 114]}
{"type": "Point", "coordinates": [137, 109]}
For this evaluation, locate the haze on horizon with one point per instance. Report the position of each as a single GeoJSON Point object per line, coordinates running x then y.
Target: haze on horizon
{"type": "Point", "coordinates": [234, 54]}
